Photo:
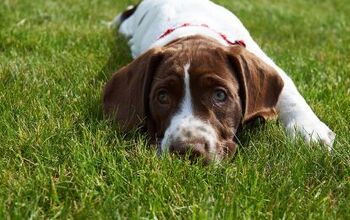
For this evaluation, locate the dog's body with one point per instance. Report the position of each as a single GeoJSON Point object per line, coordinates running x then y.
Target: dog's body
{"type": "Point", "coordinates": [198, 27]}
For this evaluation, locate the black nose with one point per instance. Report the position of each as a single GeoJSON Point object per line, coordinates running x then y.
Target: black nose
{"type": "Point", "coordinates": [193, 149]}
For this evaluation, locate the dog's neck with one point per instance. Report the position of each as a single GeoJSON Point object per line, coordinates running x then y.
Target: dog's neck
{"type": "Point", "coordinates": [187, 30]}
{"type": "Point", "coordinates": [227, 40]}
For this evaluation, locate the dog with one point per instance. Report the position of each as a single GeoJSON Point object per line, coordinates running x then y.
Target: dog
{"type": "Point", "coordinates": [196, 77]}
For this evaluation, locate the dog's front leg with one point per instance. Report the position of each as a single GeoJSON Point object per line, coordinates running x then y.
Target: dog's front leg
{"type": "Point", "coordinates": [297, 116]}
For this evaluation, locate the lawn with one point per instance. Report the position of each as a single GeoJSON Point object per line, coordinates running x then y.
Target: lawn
{"type": "Point", "coordinates": [61, 159]}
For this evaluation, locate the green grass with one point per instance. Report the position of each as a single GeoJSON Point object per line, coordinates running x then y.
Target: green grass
{"type": "Point", "coordinates": [61, 159]}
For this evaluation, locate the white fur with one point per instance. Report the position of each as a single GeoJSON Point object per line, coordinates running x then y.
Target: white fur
{"type": "Point", "coordinates": [159, 15]}
{"type": "Point", "coordinates": [184, 121]}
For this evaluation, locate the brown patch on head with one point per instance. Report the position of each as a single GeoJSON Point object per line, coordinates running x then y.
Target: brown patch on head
{"type": "Point", "coordinates": [228, 86]}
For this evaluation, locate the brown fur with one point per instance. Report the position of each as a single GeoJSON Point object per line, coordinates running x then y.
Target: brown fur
{"type": "Point", "coordinates": [253, 88]}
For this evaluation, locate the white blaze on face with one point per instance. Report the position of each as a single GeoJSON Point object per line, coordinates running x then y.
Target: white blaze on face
{"type": "Point", "coordinates": [185, 126]}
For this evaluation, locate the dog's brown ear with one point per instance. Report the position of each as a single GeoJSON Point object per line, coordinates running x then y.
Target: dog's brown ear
{"type": "Point", "coordinates": [125, 97]}
{"type": "Point", "coordinates": [260, 84]}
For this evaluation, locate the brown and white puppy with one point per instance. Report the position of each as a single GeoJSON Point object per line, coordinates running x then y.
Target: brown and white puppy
{"type": "Point", "coordinates": [193, 94]}
{"type": "Point", "coordinates": [197, 76]}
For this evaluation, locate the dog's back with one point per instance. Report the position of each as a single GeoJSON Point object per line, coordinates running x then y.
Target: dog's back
{"type": "Point", "coordinates": [144, 23]}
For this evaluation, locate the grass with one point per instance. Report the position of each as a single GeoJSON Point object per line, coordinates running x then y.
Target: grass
{"type": "Point", "coordinates": [61, 159]}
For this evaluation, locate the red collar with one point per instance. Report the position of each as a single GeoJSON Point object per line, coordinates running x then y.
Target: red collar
{"type": "Point", "coordinates": [223, 36]}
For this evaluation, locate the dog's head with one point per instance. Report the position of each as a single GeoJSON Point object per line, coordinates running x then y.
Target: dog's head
{"type": "Point", "coordinates": [192, 95]}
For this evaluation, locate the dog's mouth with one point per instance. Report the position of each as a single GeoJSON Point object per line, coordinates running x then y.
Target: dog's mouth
{"type": "Point", "coordinates": [194, 151]}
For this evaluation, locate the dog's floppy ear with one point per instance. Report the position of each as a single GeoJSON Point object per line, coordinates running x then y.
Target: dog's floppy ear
{"type": "Point", "coordinates": [125, 97]}
{"type": "Point", "coordinates": [260, 84]}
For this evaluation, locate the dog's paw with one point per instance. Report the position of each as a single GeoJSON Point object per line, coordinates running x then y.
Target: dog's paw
{"type": "Point", "coordinates": [312, 131]}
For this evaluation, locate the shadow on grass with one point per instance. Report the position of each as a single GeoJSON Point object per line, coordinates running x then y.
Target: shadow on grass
{"type": "Point", "coordinates": [245, 132]}
{"type": "Point", "coordinates": [119, 57]}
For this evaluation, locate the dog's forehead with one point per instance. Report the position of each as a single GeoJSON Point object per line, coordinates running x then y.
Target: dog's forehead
{"type": "Point", "coordinates": [202, 58]}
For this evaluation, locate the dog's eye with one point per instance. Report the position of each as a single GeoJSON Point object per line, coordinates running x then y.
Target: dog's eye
{"type": "Point", "coordinates": [220, 95]}
{"type": "Point", "coordinates": [163, 97]}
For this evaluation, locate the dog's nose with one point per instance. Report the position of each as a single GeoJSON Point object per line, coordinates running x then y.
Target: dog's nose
{"type": "Point", "coordinates": [194, 149]}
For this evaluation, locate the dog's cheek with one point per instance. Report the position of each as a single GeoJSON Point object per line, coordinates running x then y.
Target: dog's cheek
{"type": "Point", "coordinates": [151, 130]}
{"type": "Point", "coordinates": [154, 122]}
